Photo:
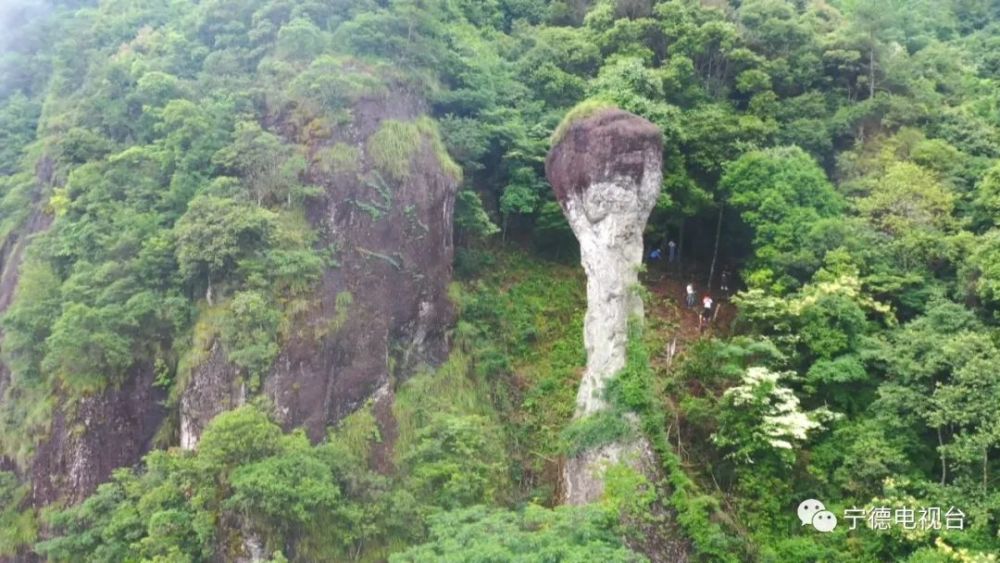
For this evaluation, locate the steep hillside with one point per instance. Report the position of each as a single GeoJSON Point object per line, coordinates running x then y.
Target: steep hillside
{"type": "Point", "coordinates": [285, 279]}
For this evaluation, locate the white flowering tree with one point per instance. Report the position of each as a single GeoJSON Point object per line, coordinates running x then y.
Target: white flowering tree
{"type": "Point", "coordinates": [762, 417]}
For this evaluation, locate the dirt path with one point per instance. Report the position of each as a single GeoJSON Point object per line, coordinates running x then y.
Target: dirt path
{"type": "Point", "coordinates": [667, 313]}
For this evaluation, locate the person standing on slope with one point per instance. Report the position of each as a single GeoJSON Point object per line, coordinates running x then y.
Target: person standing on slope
{"type": "Point", "coordinates": [724, 283]}
{"type": "Point", "coordinates": [706, 311]}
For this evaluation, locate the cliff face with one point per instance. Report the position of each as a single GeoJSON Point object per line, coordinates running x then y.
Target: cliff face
{"type": "Point", "coordinates": [11, 257]}
{"type": "Point", "coordinates": [98, 434]}
{"type": "Point", "coordinates": [379, 311]}
{"type": "Point", "coordinates": [87, 440]}
{"type": "Point", "coordinates": [383, 309]}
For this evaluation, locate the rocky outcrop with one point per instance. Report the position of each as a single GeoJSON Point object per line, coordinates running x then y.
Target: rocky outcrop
{"type": "Point", "coordinates": [606, 172]}
{"type": "Point", "coordinates": [96, 435]}
{"type": "Point", "coordinates": [380, 310]}
{"type": "Point", "coordinates": [384, 309]}
{"type": "Point", "coordinates": [215, 387]}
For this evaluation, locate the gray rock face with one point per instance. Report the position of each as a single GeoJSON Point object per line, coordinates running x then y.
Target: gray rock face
{"type": "Point", "coordinates": [102, 432]}
{"type": "Point", "coordinates": [606, 172]}
{"type": "Point", "coordinates": [215, 387]}
{"type": "Point", "coordinates": [394, 266]}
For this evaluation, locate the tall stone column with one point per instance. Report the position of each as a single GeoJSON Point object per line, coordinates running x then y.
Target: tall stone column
{"type": "Point", "coordinates": [606, 172]}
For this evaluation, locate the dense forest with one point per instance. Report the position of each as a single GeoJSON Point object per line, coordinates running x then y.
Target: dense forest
{"type": "Point", "coordinates": [162, 164]}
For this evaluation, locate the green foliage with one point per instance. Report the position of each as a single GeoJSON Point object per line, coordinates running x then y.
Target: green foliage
{"type": "Point", "coordinates": [300, 39]}
{"type": "Point", "coordinates": [455, 461]}
{"type": "Point", "coordinates": [175, 148]}
{"type": "Point", "coordinates": [17, 529]}
{"type": "Point", "coordinates": [286, 492]}
{"type": "Point", "coordinates": [237, 438]}
{"type": "Point", "coordinates": [762, 417]}
{"type": "Point", "coordinates": [595, 430]}
{"type": "Point", "coordinates": [564, 534]}
{"type": "Point", "coordinates": [270, 169]}
{"type": "Point", "coordinates": [521, 321]}
{"type": "Point", "coordinates": [18, 119]}
{"type": "Point", "coordinates": [358, 431]}
{"type": "Point", "coordinates": [215, 234]}
{"type": "Point", "coordinates": [470, 217]}
{"type": "Point", "coordinates": [394, 145]}
{"type": "Point", "coordinates": [85, 346]}
{"type": "Point", "coordinates": [781, 194]}
{"type": "Point", "coordinates": [697, 513]}
{"type": "Point", "coordinates": [250, 333]}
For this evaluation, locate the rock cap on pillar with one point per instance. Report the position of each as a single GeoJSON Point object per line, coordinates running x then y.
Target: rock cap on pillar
{"type": "Point", "coordinates": [609, 144]}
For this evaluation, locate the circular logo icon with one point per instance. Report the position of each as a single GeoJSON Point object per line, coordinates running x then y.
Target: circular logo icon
{"type": "Point", "coordinates": [808, 509]}
{"type": "Point", "coordinates": [824, 521]}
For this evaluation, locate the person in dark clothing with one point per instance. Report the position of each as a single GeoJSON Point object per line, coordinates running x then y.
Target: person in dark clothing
{"type": "Point", "coordinates": [706, 311]}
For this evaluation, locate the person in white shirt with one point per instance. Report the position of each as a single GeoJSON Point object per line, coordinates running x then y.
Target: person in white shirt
{"type": "Point", "coordinates": [706, 303]}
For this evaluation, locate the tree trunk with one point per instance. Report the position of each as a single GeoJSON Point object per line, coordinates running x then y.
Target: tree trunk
{"type": "Point", "coordinates": [680, 246]}
{"type": "Point", "coordinates": [871, 68]}
{"type": "Point", "coordinates": [986, 466]}
{"type": "Point", "coordinates": [715, 251]}
{"type": "Point", "coordinates": [944, 462]}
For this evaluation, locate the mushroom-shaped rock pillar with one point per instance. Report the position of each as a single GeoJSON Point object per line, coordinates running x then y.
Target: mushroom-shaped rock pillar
{"type": "Point", "coordinates": [606, 171]}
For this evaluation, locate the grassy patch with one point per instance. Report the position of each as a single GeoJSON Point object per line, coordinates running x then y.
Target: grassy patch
{"type": "Point", "coordinates": [393, 146]}
{"type": "Point", "coordinates": [17, 529]}
{"type": "Point", "coordinates": [27, 419]}
{"type": "Point", "coordinates": [452, 388]}
{"type": "Point", "coordinates": [582, 110]}
{"type": "Point", "coordinates": [338, 159]}
{"type": "Point", "coordinates": [522, 322]}
{"type": "Point", "coordinates": [595, 430]}
{"type": "Point", "coordinates": [195, 348]}
{"type": "Point", "coordinates": [358, 431]}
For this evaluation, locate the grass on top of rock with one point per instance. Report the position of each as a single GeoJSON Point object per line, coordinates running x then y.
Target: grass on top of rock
{"type": "Point", "coordinates": [395, 143]}
{"type": "Point", "coordinates": [582, 110]}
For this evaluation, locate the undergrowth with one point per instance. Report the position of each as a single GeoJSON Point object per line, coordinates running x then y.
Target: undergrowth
{"type": "Point", "coordinates": [393, 146]}
{"type": "Point", "coordinates": [697, 513]}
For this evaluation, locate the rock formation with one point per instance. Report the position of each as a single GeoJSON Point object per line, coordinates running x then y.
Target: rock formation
{"type": "Point", "coordinates": [380, 310]}
{"type": "Point", "coordinates": [606, 172]}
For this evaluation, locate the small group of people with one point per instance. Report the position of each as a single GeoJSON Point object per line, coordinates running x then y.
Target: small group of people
{"type": "Point", "coordinates": [657, 253]}
{"type": "Point", "coordinates": [707, 305]}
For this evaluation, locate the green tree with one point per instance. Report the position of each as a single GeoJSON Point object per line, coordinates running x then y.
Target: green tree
{"type": "Point", "coordinates": [564, 534]}
{"type": "Point", "coordinates": [455, 462]}
{"type": "Point", "coordinates": [214, 234]}
{"type": "Point", "coordinates": [288, 495]}
{"type": "Point", "coordinates": [781, 194]}
{"type": "Point", "coordinates": [250, 332]}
